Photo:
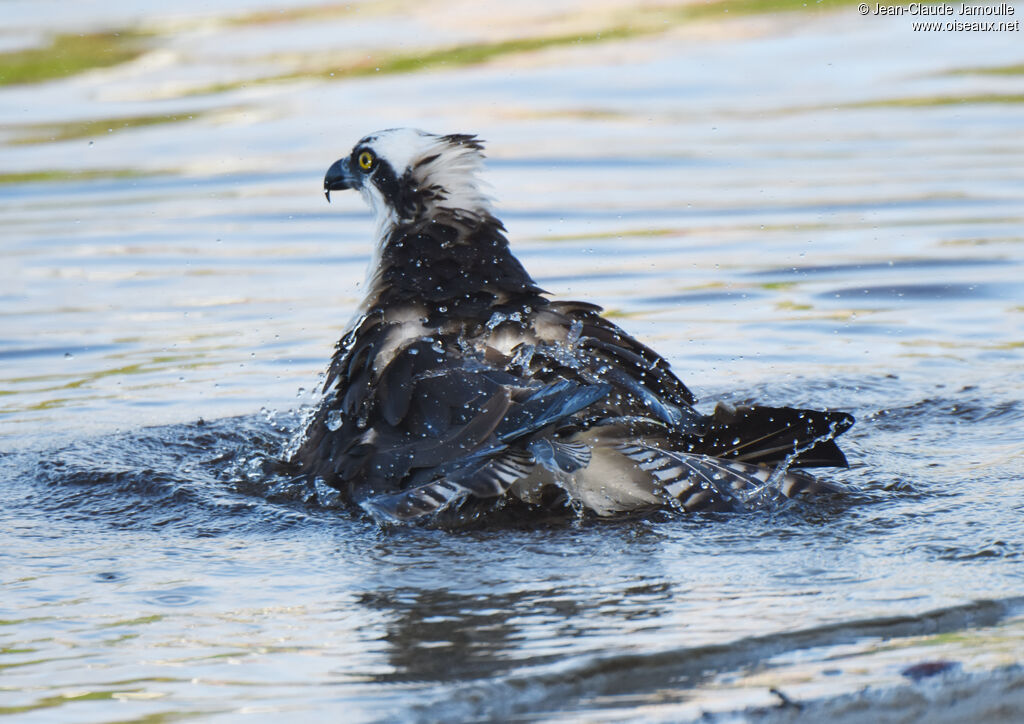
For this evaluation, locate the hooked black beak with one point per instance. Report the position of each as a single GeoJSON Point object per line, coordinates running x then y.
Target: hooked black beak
{"type": "Point", "coordinates": [338, 177]}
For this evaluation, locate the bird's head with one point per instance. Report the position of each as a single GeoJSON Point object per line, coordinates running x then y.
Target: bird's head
{"type": "Point", "coordinates": [404, 173]}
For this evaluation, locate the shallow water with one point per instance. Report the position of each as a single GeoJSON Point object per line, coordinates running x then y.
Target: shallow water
{"type": "Point", "coordinates": [716, 188]}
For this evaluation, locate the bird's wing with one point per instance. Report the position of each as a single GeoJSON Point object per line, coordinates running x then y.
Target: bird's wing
{"type": "Point", "coordinates": [572, 341]}
{"type": "Point", "coordinates": [693, 482]}
{"type": "Point", "coordinates": [645, 386]}
{"type": "Point", "coordinates": [609, 346]}
{"type": "Point", "coordinates": [490, 480]}
{"type": "Point", "coordinates": [431, 423]}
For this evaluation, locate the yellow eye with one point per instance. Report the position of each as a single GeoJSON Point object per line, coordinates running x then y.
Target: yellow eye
{"type": "Point", "coordinates": [366, 160]}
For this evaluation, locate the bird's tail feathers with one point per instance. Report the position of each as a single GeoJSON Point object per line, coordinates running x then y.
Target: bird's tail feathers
{"type": "Point", "coordinates": [754, 434]}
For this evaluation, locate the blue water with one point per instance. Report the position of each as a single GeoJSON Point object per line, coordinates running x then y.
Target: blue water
{"type": "Point", "coordinates": [715, 188]}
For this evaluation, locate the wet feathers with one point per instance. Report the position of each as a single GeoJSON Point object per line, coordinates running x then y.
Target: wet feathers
{"type": "Point", "coordinates": [461, 390]}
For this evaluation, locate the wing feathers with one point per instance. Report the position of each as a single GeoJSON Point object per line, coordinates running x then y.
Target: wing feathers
{"type": "Point", "coordinates": [560, 457]}
{"type": "Point", "coordinates": [700, 482]}
{"type": "Point", "coordinates": [419, 404]}
{"type": "Point", "coordinates": [771, 434]}
{"type": "Point", "coordinates": [489, 481]}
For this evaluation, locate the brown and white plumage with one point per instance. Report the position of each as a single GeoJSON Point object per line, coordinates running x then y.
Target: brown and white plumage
{"type": "Point", "coordinates": [461, 389]}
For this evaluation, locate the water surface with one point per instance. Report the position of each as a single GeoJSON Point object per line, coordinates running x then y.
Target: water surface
{"type": "Point", "coordinates": [756, 197]}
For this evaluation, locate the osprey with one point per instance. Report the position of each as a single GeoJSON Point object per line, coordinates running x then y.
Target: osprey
{"type": "Point", "coordinates": [461, 389]}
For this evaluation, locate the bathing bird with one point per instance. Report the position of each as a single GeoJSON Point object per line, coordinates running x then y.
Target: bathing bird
{"type": "Point", "coordinates": [461, 388]}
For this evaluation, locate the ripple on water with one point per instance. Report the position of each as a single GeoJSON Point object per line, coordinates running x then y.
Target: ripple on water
{"type": "Point", "coordinates": [176, 598]}
{"type": "Point", "coordinates": [924, 292]}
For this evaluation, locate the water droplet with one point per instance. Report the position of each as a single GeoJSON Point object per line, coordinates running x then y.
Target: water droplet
{"type": "Point", "coordinates": [574, 333]}
{"type": "Point", "coordinates": [496, 319]}
{"type": "Point", "coordinates": [333, 420]}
